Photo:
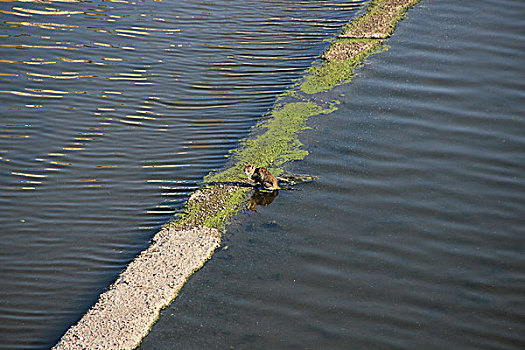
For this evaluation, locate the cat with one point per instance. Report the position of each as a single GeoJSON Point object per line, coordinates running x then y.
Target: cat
{"type": "Point", "coordinates": [262, 177]}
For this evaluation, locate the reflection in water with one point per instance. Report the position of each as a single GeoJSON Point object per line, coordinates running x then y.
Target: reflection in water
{"type": "Point", "coordinates": [111, 113]}
{"type": "Point", "coordinates": [261, 197]}
{"type": "Point", "coordinates": [413, 236]}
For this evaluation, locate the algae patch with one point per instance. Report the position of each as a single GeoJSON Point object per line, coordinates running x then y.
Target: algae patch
{"type": "Point", "coordinates": [277, 142]}
{"type": "Point", "coordinates": [212, 206]}
{"type": "Point", "coordinates": [154, 278]}
{"type": "Point", "coordinates": [361, 38]}
{"type": "Point", "coordinates": [339, 64]}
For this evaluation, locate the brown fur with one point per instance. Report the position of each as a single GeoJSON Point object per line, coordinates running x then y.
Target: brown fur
{"type": "Point", "coordinates": [261, 176]}
{"type": "Point", "coordinates": [263, 198]}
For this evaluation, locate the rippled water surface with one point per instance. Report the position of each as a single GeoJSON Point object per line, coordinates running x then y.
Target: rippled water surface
{"type": "Point", "coordinates": [413, 236]}
{"type": "Point", "coordinates": [111, 113]}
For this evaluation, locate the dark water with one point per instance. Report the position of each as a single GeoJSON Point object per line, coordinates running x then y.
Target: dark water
{"type": "Point", "coordinates": [112, 112]}
{"type": "Point", "coordinates": [413, 237]}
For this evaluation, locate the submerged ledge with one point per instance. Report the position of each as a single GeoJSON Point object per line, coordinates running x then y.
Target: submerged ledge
{"type": "Point", "coordinates": [124, 314]}
{"type": "Point", "coordinates": [362, 37]}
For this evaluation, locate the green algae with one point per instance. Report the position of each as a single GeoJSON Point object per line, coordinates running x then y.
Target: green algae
{"type": "Point", "coordinates": [212, 206]}
{"type": "Point", "coordinates": [232, 206]}
{"type": "Point", "coordinates": [362, 37]}
{"type": "Point", "coordinates": [332, 73]}
{"type": "Point", "coordinates": [275, 140]}
{"type": "Point", "coordinates": [278, 142]}
{"type": "Point", "coordinates": [222, 198]}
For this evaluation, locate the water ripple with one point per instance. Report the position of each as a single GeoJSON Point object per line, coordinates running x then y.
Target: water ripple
{"type": "Point", "coordinates": [112, 112]}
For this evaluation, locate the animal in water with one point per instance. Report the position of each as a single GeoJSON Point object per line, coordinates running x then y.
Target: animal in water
{"type": "Point", "coordinates": [261, 176]}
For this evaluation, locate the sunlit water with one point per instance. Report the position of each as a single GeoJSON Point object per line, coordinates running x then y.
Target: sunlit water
{"type": "Point", "coordinates": [413, 236]}
{"type": "Point", "coordinates": [112, 112]}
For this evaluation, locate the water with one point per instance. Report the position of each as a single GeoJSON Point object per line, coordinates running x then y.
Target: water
{"type": "Point", "coordinates": [412, 237]}
{"type": "Point", "coordinates": [112, 112]}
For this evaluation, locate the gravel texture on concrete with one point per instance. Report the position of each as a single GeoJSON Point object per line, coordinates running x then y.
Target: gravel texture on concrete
{"type": "Point", "coordinates": [379, 21]}
{"type": "Point", "coordinates": [341, 51]}
{"type": "Point", "coordinates": [124, 314]}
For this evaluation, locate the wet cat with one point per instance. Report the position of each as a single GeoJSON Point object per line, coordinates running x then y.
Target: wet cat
{"type": "Point", "coordinates": [262, 177]}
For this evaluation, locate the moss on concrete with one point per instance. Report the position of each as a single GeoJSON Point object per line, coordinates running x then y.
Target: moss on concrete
{"type": "Point", "coordinates": [361, 38]}
{"type": "Point", "coordinates": [125, 313]}
{"type": "Point", "coordinates": [276, 141]}
{"type": "Point", "coordinates": [339, 64]}
{"type": "Point", "coordinates": [212, 206]}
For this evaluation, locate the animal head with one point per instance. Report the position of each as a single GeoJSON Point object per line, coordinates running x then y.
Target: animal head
{"type": "Point", "coordinates": [249, 169]}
